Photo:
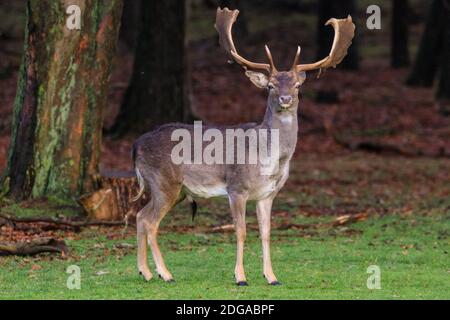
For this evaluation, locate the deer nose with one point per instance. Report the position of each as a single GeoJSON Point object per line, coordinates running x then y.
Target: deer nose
{"type": "Point", "coordinates": [285, 100]}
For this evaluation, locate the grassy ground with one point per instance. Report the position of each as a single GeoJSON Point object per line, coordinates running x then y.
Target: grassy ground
{"type": "Point", "coordinates": [331, 264]}
{"type": "Point", "coordinates": [406, 235]}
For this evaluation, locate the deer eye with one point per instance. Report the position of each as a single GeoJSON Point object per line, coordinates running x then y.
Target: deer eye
{"type": "Point", "coordinates": [270, 86]}
{"type": "Point", "coordinates": [297, 85]}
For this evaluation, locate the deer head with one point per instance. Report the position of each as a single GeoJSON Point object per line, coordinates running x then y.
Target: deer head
{"type": "Point", "coordinates": [283, 86]}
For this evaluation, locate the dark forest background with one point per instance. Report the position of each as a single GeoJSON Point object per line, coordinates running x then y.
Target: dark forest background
{"type": "Point", "coordinates": [390, 96]}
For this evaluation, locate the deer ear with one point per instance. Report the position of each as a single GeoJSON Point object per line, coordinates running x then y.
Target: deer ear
{"type": "Point", "coordinates": [301, 76]}
{"type": "Point", "coordinates": [259, 79]}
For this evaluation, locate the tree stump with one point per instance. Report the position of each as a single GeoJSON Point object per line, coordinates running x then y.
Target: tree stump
{"type": "Point", "coordinates": [112, 200]}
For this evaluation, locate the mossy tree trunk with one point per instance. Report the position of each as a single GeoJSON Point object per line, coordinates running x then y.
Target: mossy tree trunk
{"type": "Point", "coordinates": [62, 90]}
{"type": "Point", "coordinates": [159, 87]}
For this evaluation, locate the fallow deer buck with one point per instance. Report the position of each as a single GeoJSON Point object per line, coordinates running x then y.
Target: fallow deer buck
{"type": "Point", "coordinates": [169, 183]}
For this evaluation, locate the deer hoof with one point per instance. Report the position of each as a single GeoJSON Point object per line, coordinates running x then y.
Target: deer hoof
{"type": "Point", "coordinates": [166, 280]}
{"type": "Point", "coordinates": [147, 276]}
{"type": "Point", "coordinates": [242, 284]}
{"type": "Point", "coordinates": [275, 283]}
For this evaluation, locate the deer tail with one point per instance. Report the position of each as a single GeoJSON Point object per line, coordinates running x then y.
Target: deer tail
{"type": "Point", "coordinates": [139, 177]}
{"type": "Point", "coordinates": [141, 183]}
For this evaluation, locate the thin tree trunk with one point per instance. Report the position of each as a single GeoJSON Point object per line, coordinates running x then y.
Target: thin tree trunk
{"type": "Point", "coordinates": [400, 34]}
{"type": "Point", "coordinates": [62, 89]}
{"type": "Point", "coordinates": [443, 92]}
{"type": "Point", "coordinates": [159, 89]}
{"type": "Point", "coordinates": [130, 23]}
{"type": "Point", "coordinates": [335, 9]}
{"type": "Point", "coordinates": [427, 61]}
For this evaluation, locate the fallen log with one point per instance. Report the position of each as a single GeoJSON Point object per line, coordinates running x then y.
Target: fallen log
{"type": "Point", "coordinates": [34, 247]}
{"type": "Point", "coordinates": [59, 222]}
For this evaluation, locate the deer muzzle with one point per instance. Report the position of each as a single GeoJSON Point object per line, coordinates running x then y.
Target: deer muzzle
{"type": "Point", "coordinates": [285, 101]}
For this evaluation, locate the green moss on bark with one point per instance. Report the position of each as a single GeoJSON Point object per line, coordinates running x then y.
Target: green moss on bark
{"type": "Point", "coordinates": [62, 90]}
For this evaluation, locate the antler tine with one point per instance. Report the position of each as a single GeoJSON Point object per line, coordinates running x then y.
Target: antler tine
{"type": "Point", "coordinates": [269, 56]}
{"type": "Point", "coordinates": [225, 19]}
{"type": "Point", "coordinates": [344, 31]}
{"type": "Point", "coordinates": [297, 58]}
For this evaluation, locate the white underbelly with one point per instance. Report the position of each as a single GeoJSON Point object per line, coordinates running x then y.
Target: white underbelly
{"type": "Point", "coordinates": [210, 191]}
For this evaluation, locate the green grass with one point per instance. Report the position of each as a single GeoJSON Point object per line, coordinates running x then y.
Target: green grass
{"type": "Point", "coordinates": [406, 235]}
{"type": "Point", "coordinates": [412, 253]}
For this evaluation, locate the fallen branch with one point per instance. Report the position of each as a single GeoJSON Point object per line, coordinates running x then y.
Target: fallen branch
{"type": "Point", "coordinates": [339, 221]}
{"type": "Point", "coordinates": [349, 218]}
{"type": "Point", "coordinates": [34, 247]}
{"type": "Point", "coordinates": [224, 228]}
{"type": "Point", "coordinates": [59, 222]}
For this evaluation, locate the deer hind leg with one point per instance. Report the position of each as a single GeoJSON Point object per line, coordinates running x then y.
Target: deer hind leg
{"type": "Point", "coordinates": [163, 198]}
{"type": "Point", "coordinates": [161, 268]}
{"type": "Point", "coordinates": [263, 212]}
{"type": "Point", "coordinates": [237, 205]}
{"type": "Point", "coordinates": [142, 243]}
{"type": "Point", "coordinates": [163, 201]}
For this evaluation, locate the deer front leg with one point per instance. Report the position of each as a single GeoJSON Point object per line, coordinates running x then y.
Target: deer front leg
{"type": "Point", "coordinates": [237, 205]}
{"type": "Point", "coordinates": [263, 212]}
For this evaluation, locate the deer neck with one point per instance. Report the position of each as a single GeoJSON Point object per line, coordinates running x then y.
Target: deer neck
{"type": "Point", "coordinates": [286, 122]}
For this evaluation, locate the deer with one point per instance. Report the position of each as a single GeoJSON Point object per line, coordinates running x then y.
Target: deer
{"type": "Point", "coordinates": [168, 184]}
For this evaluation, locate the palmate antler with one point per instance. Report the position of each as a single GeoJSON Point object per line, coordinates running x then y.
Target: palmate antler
{"type": "Point", "coordinates": [344, 32]}
{"type": "Point", "coordinates": [225, 19]}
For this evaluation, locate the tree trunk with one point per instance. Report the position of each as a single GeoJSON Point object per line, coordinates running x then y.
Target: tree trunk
{"type": "Point", "coordinates": [400, 34]}
{"type": "Point", "coordinates": [427, 61]}
{"type": "Point", "coordinates": [159, 87]}
{"type": "Point", "coordinates": [130, 23]}
{"type": "Point", "coordinates": [443, 92]}
{"type": "Point", "coordinates": [62, 89]}
{"type": "Point", "coordinates": [335, 9]}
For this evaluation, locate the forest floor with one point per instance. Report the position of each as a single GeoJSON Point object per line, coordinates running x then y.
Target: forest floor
{"type": "Point", "coordinates": [369, 185]}
{"type": "Point", "coordinates": [336, 217]}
